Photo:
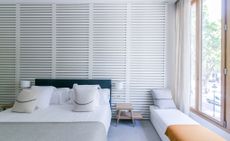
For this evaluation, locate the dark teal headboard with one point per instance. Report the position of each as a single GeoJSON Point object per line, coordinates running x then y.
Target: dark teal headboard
{"type": "Point", "coordinates": [59, 83]}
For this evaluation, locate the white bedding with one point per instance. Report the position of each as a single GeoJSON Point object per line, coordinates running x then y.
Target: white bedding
{"type": "Point", "coordinates": [162, 118]}
{"type": "Point", "coordinates": [60, 113]}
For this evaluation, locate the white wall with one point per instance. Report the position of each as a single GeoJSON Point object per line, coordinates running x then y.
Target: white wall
{"type": "Point", "coordinates": [121, 41]}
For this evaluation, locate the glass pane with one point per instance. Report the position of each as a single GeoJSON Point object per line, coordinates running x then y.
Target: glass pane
{"type": "Point", "coordinates": [211, 58]}
{"type": "Point", "coordinates": [193, 56]}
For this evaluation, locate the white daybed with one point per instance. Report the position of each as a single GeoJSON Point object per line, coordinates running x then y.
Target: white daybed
{"type": "Point", "coordinates": [162, 118]}
{"type": "Point", "coordinates": [167, 119]}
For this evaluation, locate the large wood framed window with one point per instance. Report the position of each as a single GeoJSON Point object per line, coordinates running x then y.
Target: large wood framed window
{"type": "Point", "coordinates": [209, 60]}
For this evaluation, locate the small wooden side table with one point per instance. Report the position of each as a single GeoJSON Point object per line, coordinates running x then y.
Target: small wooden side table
{"type": "Point", "coordinates": [125, 112]}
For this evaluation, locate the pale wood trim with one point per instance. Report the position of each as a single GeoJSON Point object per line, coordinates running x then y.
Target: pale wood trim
{"type": "Point", "coordinates": [224, 107]}
{"type": "Point", "coordinates": [223, 63]}
{"type": "Point", "coordinates": [227, 110]}
{"type": "Point", "coordinates": [206, 117]}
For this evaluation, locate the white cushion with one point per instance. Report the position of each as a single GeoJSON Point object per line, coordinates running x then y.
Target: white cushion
{"type": "Point", "coordinates": [43, 94]}
{"type": "Point", "coordinates": [60, 96]}
{"type": "Point", "coordinates": [104, 96]}
{"type": "Point", "coordinates": [71, 95]}
{"type": "Point", "coordinates": [86, 97]}
{"type": "Point", "coordinates": [164, 104]}
{"type": "Point", "coordinates": [163, 93]}
{"type": "Point", "coordinates": [25, 102]}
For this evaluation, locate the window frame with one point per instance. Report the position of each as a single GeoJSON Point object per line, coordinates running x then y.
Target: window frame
{"type": "Point", "coordinates": [225, 79]}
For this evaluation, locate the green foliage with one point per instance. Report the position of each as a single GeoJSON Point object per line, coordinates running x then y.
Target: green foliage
{"type": "Point", "coordinates": [211, 46]}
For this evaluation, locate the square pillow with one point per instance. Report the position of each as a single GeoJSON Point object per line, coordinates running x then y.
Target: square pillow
{"type": "Point", "coordinates": [43, 94]}
{"type": "Point", "coordinates": [25, 102]}
{"type": "Point", "coordinates": [86, 98]}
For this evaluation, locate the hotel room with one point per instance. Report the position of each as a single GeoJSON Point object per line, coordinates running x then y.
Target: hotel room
{"type": "Point", "coordinates": [111, 70]}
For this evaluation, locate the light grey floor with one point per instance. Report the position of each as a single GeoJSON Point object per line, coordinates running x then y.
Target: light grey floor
{"type": "Point", "coordinates": [143, 131]}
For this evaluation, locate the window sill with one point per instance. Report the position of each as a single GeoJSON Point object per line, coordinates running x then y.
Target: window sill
{"type": "Point", "coordinates": [210, 120]}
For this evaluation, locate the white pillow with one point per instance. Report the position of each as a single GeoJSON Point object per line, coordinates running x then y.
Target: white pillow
{"type": "Point", "coordinates": [164, 104]}
{"type": "Point", "coordinates": [87, 86]}
{"type": "Point", "coordinates": [25, 102]}
{"type": "Point", "coordinates": [66, 96]}
{"type": "Point", "coordinates": [104, 96]}
{"type": "Point", "coordinates": [163, 93]}
{"type": "Point", "coordinates": [60, 96]}
{"type": "Point", "coordinates": [43, 94]}
{"type": "Point", "coordinates": [71, 95]}
{"type": "Point", "coordinates": [86, 98]}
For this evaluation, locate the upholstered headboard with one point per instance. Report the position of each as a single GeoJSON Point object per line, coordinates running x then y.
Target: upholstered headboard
{"type": "Point", "coordinates": [58, 83]}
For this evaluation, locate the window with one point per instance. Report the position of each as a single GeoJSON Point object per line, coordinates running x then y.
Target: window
{"type": "Point", "coordinates": [211, 57]}
{"type": "Point", "coordinates": [208, 59]}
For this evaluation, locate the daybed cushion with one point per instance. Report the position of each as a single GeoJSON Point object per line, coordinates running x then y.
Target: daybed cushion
{"type": "Point", "coordinates": [191, 133]}
{"type": "Point", "coordinates": [161, 93]}
{"type": "Point", "coordinates": [162, 98]}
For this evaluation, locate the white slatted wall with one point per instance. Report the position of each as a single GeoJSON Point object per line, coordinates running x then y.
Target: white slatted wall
{"type": "Point", "coordinates": [35, 41]}
{"type": "Point", "coordinates": [7, 52]}
{"type": "Point", "coordinates": [147, 53]}
{"type": "Point", "coordinates": [72, 41]}
{"type": "Point", "coordinates": [109, 45]}
{"type": "Point", "coordinates": [122, 42]}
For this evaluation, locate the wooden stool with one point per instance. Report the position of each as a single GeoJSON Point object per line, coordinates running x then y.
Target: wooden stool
{"type": "Point", "coordinates": [125, 112]}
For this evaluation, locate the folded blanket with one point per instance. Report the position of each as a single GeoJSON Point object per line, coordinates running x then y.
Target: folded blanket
{"type": "Point", "coordinates": [191, 133]}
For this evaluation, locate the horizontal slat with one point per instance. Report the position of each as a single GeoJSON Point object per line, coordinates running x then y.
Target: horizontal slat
{"type": "Point", "coordinates": [35, 41]}
{"type": "Point", "coordinates": [147, 54]}
{"type": "Point", "coordinates": [126, 39]}
{"type": "Point", "coordinates": [7, 53]}
{"type": "Point", "coordinates": [72, 37]}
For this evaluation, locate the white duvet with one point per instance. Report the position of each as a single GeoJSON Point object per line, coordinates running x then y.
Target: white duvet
{"type": "Point", "coordinates": [60, 113]}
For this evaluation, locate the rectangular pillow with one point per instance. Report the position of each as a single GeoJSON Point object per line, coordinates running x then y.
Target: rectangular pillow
{"type": "Point", "coordinates": [104, 96]}
{"type": "Point", "coordinates": [60, 96]}
{"type": "Point", "coordinates": [25, 102]}
{"type": "Point", "coordinates": [162, 93]}
{"type": "Point", "coordinates": [43, 94]}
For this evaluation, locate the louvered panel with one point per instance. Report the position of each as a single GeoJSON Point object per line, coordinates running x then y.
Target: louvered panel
{"type": "Point", "coordinates": [7, 53]}
{"type": "Point", "coordinates": [35, 41]}
{"type": "Point", "coordinates": [72, 40]}
{"type": "Point", "coordinates": [109, 45]}
{"type": "Point", "coordinates": [147, 53]}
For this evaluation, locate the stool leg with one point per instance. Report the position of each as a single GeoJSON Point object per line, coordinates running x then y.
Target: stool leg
{"type": "Point", "coordinates": [118, 117]}
{"type": "Point", "coordinates": [133, 121]}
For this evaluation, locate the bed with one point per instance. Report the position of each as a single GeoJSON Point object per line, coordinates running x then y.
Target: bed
{"type": "Point", "coordinates": [58, 122]}
{"type": "Point", "coordinates": [179, 127]}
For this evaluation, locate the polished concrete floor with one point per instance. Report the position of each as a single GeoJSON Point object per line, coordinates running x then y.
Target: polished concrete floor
{"type": "Point", "coordinates": [124, 131]}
